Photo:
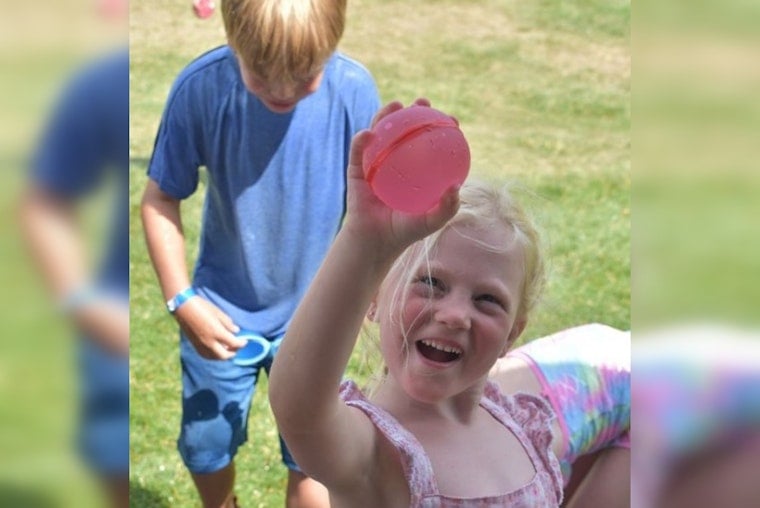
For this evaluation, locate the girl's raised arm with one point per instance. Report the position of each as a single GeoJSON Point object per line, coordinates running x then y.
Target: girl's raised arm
{"type": "Point", "coordinates": [310, 364]}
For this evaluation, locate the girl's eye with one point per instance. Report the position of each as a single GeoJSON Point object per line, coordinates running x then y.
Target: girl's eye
{"type": "Point", "coordinates": [429, 281]}
{"type": "Point", "coordinates": [491, 299]}
{"type": "Point", "coordinates": [428, 285]}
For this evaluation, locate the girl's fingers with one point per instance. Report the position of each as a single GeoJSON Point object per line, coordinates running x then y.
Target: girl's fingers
{"type": "Point", "coordinates": [358, 144]}
{"type": "Point", "coordinates": [386, 110]}
{"type": "Point", "coordinates": [445, 209]}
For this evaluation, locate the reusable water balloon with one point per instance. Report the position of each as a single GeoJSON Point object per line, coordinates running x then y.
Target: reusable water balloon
{"type": "Point", "coordinates": [256, 350]}
{"type": "Point", "coordinates": [416, 155]}
{"type": "Point", "coordinates": [203, 8]}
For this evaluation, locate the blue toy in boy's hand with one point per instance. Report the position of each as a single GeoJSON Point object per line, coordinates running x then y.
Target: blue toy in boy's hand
{"type": "Point", "coordinates": [257, 350]}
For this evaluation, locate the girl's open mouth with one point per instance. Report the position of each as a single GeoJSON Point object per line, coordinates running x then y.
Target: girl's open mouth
{"type": "Point", "coordinates": [438, 352]}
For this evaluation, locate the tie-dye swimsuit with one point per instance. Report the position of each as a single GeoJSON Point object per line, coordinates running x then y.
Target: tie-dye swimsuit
{"type": "Point", "coordinates": [585, 373]}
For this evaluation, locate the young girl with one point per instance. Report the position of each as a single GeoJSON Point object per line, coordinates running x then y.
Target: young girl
{"type": "Point", "coordinates": [451, 290]}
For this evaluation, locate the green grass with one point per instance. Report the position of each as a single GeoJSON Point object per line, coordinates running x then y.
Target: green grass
{"type": "Point", "coordinates": [542, 93]}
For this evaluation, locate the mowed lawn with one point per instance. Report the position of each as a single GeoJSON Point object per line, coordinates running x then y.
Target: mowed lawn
{"type": "Point", "coordinates": [542, 92]}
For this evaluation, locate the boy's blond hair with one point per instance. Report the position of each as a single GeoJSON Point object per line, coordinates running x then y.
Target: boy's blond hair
{"type": "Point", "coordinates": [284, 41]}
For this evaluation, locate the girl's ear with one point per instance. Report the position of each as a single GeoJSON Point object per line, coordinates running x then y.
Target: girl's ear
{"type": "Point", "coordinates": [372, 311]}
{"type": "Point", "coordinates": [517, 329]}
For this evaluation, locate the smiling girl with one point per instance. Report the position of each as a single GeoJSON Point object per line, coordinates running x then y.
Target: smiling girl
{"type": "Point", "coordinates": [451, 290]}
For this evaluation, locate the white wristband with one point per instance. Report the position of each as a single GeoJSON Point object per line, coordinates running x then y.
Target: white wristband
{"type": "Point", "coordinates": [77, 298]}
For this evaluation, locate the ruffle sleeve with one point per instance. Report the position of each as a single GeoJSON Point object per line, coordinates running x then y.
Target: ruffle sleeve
{"type": "Point", "coordinates": [534, 416]}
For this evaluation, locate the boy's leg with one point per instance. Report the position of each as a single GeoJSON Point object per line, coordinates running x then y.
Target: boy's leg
{"type": "Point", "coordinates": [216, 489]}
{"type": "Point", "coordinates": [304, 492]}
{"type": "Point", "coordinates": [216, 399]}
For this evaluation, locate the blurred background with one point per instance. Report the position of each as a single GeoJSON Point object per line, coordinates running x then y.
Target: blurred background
{"type": "Point", "coordinates": [43, 46]}
{"type": "Point", "coordinates": [696, 254]}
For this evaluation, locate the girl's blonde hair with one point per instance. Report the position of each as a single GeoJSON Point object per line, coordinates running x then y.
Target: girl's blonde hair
{"type": "Point", "coordinates": [482, 206]}
{"type": "Point", "coordinates": [284, 40]}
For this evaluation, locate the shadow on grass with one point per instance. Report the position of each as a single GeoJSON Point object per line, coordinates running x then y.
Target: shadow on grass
{"type": "Point", "coordinates": [28, 497]}
{"type": "Point", "coordinates": [141, 497]}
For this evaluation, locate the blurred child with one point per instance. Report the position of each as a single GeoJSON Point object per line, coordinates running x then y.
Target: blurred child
{"type": "Point", "coordinates": [85, 142]}
{"type": "Point", "coordinates": [270, 116]}
{"type": "Point", "coordinates": [584, 373]}
{"type": "Point", "coordinates": [451, 290]}
{"type": "Point", "coordinates": [697, 418]}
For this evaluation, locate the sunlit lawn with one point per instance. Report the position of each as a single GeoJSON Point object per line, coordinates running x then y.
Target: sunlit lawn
{"type": "Point", "coordinates": [541, 90]}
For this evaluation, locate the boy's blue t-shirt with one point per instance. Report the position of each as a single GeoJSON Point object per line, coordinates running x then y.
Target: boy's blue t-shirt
{"type": "Point", "coordinates": [276, 182]}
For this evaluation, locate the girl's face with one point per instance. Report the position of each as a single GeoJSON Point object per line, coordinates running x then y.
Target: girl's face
{"type": "Point", "coordinates": [459, 316]}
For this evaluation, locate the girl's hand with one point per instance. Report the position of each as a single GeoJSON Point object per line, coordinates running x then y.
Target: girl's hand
{"type": "Point", "coordinates": [373, 219]}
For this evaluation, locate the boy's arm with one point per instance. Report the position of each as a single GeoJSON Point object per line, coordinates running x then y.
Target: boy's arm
{"type": "Point", "coordinates": [209, 329]}
{"type": "Point", "coordinates": [54, 237]}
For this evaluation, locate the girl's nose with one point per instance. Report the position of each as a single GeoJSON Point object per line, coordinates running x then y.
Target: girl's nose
{"type": "Point", "coordinates": [453, 311]}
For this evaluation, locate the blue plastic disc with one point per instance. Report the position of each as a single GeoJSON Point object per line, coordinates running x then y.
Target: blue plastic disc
{"type": "Point", "coordinates": [255, 351]}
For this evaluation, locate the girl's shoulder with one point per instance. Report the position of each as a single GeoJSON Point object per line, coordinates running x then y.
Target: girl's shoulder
{"type": "Point", "coordinates": [526, 409]}
{"type": "Point", "coordinates": [530, 418]}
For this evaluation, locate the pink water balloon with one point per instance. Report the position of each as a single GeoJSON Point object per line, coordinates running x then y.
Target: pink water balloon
{"type": "Point", "coordinates": [416, 155]}
{"type": "Point", "coordinates": [203, 8]}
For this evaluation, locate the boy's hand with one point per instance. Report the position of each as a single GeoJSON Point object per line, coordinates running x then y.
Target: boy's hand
{"type": "Point", "coordinates": [372, 218]}
{"type": "Point", "coordinates": [210, 330]}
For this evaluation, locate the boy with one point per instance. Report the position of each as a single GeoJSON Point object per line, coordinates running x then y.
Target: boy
{"type": "Point", "coordinates": [271, 116]}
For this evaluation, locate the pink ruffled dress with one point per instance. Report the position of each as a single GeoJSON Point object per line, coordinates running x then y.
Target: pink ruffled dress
{"type": "Point", "coordinates": [526, 416]}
